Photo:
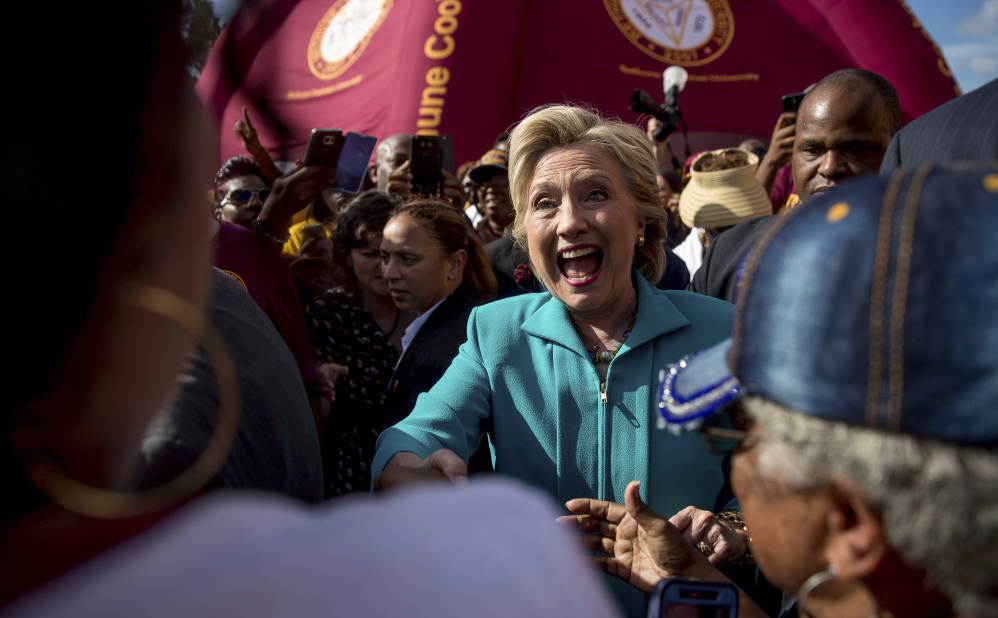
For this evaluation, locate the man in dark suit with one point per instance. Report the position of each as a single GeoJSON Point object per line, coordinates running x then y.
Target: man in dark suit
{"type": "Point", "coordinates": [965, 128]}
{"type": "Point", "coordinates": [844, 125]}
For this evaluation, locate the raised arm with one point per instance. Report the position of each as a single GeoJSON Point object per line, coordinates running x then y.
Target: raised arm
{"type": "Point", "coordinates": [251, 142]}
{"type": "Point", "coordinates": [781, 147]}
{"type": "Point", "coordinates": [660, 147]}
{"type": "Point", "coordinates": [291, 193]}
{"type": "Point", "coordinates": [445, 427]}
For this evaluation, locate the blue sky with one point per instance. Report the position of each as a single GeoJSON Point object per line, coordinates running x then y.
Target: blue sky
{"type": "Point", "coordinates": [965, 30]}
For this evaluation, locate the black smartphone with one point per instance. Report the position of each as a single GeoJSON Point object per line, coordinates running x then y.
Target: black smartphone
{"type": "Point", "coordinates": [351, 166]}
{"type": "Point", "coordinates": [324, 147]}
{"type": "Point", "coordinates": [791, 102]}
{"type": "Point", "coordinates": [684, 598]}
{"type": "Point", "coordinates": [425, 164]}
{"type": "Point", "coordinates": [447, 155]}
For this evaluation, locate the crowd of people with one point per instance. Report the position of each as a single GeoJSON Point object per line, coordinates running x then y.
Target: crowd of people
{"type": "Point", "coordinates": [776, 367]}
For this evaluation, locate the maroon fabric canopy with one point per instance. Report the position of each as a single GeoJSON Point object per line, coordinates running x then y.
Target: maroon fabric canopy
{"type": "Point", "coordinates": [472, 69]}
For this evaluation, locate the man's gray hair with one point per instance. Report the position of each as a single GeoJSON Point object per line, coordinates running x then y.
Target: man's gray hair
{"type": "Point", "coordinates": [938, 501]}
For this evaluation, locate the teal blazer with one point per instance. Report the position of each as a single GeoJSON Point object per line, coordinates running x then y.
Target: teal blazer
{"type": "Point", "coordinates": [524, 379]}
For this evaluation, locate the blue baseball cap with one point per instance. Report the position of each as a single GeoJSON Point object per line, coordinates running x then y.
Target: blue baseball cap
{"type": "Point", "coordinates": [873, 305]}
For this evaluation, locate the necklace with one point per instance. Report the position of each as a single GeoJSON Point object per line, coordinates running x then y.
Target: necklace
{"type": "Point", "coordinates": [395, 324]}
{"type": "Point", "coordinates": [608, 355]}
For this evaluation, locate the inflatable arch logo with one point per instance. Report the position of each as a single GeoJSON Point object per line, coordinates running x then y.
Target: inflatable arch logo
{"type": "Point", "coordinates": [685, 32]}
{"type": "Point", "coordinates": [342, 35]}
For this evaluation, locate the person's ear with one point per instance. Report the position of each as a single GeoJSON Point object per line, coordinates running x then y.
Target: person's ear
{"type": "Point", "coordinates": [372, 173]}
{"type": "Point", "coordinates": [456, 263]}
{"type": "Point", "coordinates": [856, 544]}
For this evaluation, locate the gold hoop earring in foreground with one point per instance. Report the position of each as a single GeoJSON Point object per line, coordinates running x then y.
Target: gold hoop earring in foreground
{"type": "Point", "coordinates": [77, 497]}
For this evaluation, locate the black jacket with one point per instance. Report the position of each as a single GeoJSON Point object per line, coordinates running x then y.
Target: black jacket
{"type": "Point", "coordinates": [430, 353]}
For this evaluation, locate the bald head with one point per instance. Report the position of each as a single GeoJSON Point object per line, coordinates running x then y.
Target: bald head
{"type": "Point", "coordinates": [391, 153]}
{"type": "Point", "coordinates": [843, 128]}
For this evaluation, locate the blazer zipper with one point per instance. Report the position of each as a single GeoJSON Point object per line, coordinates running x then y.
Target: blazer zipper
{"type": "Point", "coordinates": [602, 391]}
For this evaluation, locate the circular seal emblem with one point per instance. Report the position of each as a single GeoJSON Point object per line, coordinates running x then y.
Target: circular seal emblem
{"type": "Point", "coordinates": [237, 278]}
{"type": "Point", "coordinates": [342, 35]}
{"type": "Point", "coordinates": [684, 32]}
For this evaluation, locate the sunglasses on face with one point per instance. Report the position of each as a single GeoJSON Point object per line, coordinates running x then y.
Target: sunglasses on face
{"type": "Point", "coordinates": [241, 197]}
{"type": "Point", "coordinates": [495, 185]}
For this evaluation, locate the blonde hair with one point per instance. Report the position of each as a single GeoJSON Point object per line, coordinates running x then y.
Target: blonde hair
{"type": "Point", "coordinates": [558, 126]}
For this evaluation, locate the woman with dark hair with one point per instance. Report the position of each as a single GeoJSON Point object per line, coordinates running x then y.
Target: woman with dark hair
{"type": "Point", "coordinates": [100, 329]}
{"type": "Point", "coordinates": [356, 332]}
{"type": "Point", "coordinates": [435, 268]}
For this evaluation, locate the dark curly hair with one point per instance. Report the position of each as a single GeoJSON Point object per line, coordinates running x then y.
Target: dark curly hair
{"type": "Point", "coordinates": [368, 212]}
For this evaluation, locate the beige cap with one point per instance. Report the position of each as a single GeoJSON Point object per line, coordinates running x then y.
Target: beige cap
{"type": "Point", "coordinates": [722, 198]}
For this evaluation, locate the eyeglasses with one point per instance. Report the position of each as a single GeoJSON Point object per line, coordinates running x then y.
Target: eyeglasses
{"type": "Point", "coordinates": [495, 185]}
{"type": "Point", "coordinates": [723, 440]}
{"type": "Point", "coordinates": [241, 197]}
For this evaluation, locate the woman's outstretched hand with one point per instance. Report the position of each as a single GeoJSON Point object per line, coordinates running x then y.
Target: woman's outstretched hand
{"type": "Point", "coordinates": [409, 468]}
{"type": "Point", "coordinates": [641, 546]}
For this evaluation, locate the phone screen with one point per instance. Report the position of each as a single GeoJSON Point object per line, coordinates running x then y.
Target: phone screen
{"type": "Point", "coordinates": [425, 162]}
{"type": "Point", "coordinates": [684, 610]}
{"type": "Point", "coordinates": [351, 167]}
{"type": "Point", "coordinates": [679, 598]}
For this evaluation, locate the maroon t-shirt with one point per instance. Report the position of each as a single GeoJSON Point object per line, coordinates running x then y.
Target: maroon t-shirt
{"type": "Point", "coordinates": [254, 261]}
{"type": "Point", "coordinates": [784, 194]}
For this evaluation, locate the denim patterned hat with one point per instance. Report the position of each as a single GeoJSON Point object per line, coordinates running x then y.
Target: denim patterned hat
{"type": "Point", "coordinates": [874, 305]}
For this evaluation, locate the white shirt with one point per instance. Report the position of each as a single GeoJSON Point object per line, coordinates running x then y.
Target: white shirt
{"type": "Point", "coordinates": [489, 549]}
{"type": "Point", "coordinates": [691, 251]}
{"type": "Point", "coordinates": [413, 329]}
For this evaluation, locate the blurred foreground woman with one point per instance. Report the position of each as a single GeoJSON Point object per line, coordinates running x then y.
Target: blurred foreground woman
{"type": "Point", "coordinates": [102, 322]}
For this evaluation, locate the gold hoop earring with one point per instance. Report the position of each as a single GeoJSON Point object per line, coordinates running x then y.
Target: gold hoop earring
{"type": "Point", "coordinates": [837, 596]}
{"type": "Point", "coordinates": [641, 240]}
{"type": "Point", "coordinates": [96, 502]}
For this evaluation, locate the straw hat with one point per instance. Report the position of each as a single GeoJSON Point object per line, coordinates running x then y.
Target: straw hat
{"type": "Point", "coordinates": [722, 198]}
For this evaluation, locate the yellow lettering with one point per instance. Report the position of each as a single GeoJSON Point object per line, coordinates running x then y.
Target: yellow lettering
{"type": "Point", "coordinates": [445, 24]}
{"type": "Point", "coordinates": [438, 45]}
{"type": "Point", "coordinates": [434, 121]}
{"type": "Point", "coordinates": [428, 99]}
{"type": "Point", "coordinates": [433, 52]}
{"type": "Point", "coordinates": [437, 76]}
{"type": "Point", "coordinates": [449, 7]}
